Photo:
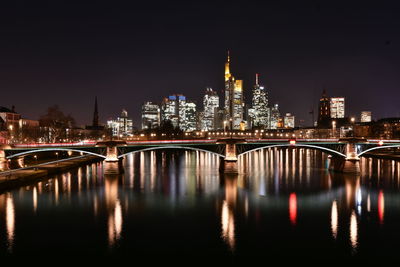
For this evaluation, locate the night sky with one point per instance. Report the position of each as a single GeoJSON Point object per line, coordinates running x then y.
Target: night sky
{"type": "Point", "coordinates": [66, 52]}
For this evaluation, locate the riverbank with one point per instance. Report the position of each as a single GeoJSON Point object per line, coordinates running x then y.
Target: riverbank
{"type": "Point", "coordinates": [17, 178]}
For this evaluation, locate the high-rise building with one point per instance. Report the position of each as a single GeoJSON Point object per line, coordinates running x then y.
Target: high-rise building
{"type": "Point", "coordinates": [324, 113]}
{"type": "Point", "coordinates": [234, 105]}
{"type": "Point", "coordinates": [275, 115]}
{"type": "Point", "coordinates": [220, 119]}
{"type": "Point", "coordinates": [337, 107]}
{"type": "Point", "coordinates": [170, 109]}
{"type": "Point", "coordinates": [281, 123]}
{"type": "Point", "coordinates": [288, 120]}
{"type": "Point", "coordinates": [211, 105]}
{"type": "Point", "coordinates": [122, 126]}
{"type": "Point", "coordinates": [366, 116]}
{"type": "Point", "coordinates": [180, 112]}
{"type": "Point", "coordinates": [187, 118]}
{"type": "Point", "coordinates": [199, 119]}
{"type": "Point", "coordinates": [260, 112]}
{"type": "Point", "coordinates": [150, 115]}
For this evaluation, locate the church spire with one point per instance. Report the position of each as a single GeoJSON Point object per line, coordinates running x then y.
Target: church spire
{"type": "Point", "coordinates": [227, 69]}
{"type": "Point", "coordinates": [257, 79]}
{"type": "Point", "coordinates": [95, 114]}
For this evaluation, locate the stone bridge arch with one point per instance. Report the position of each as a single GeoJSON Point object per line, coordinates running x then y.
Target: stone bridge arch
{"type": "Point", "coordinates": [47, 149]}
{"type": "Point", "coordinates": [328, 150]}
{"type": "Point", "coordinates": [218, 151]}
{"type": "Point", "coordinates": [377, 148]}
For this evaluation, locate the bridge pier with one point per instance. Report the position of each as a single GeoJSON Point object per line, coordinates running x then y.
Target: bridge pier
{"type": "Point", "coordinates": [111, 154]}
{"type": "Point", "coordinates": [229, 164]}
{"type": "Point", "coordinates": [112, 167]}
{"type": "Point", "coordinates": [350, 164]}
{"type": "Point", "coordinates": [112, 164]}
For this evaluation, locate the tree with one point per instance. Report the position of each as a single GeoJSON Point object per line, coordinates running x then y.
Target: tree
{"type": "Point", "coordinates": [55, 124]}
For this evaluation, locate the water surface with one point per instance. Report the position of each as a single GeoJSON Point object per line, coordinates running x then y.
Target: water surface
{"type": "Point", "coordinates": [175, 204]}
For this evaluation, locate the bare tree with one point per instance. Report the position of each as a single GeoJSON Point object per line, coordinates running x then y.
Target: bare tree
{"type": "Point", "coordinates": [55, 124]}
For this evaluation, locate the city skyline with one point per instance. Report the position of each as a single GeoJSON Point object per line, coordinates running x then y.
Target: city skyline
{"type": "Point", "coordinates": [247, 108]}
{"type": "Point", "coordinates": [74, 52]}
{"type": "Point", "coordinates": [196, 131]}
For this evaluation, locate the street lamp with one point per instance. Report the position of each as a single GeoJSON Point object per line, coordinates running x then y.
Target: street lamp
{"type": "Point", "coordinates": [57, 157]}
{"type": "Point", "coordinates": [11, 131]}
{"type": "Point", "coordinates": [352, 127]}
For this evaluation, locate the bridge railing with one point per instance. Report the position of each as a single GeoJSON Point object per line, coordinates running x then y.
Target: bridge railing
{"type": "Point", "coordinates": [69, 144]}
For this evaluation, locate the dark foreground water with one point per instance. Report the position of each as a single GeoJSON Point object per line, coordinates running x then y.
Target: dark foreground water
{"type": "Point", "coordinates": [175, 205]}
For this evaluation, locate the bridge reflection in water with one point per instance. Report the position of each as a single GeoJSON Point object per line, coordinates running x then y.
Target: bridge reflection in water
{"type": "Point", "coordinates": [177, 202]}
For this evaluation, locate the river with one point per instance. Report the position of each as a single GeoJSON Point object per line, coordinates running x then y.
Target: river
{"type": "Point", "coordinates": [283, 205]}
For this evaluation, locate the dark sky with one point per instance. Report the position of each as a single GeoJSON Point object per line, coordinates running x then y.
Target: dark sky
{"type": "Point", "coordinates": [66, 52]}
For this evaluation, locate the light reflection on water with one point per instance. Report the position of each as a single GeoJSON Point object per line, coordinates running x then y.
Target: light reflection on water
{"type": "Point", "coordinates": [178, 201]}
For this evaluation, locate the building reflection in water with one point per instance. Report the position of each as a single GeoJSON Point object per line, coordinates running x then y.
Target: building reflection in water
{"type": "Point", "coordinates": [56, 189]}
{"type": "Point", "coordinates": [114, 210]}
{"type": "Point", "coordinates": [10, 221]}
{"type": "Point", "coordinates": [381, 206]}
{"type": "Point", "coordinates": [353, 231]}
{"type": "Point", "coordinates": [293, 208]}
{"type": "Point", "coordinates": [188, 177]}
{"type": "Point", "coordinates": [358, 200]}
{"type": "Point", "coordinates": [227, 214]}
{"type": "Point", "coordinates": [34, 200]}
{"type": "Point", "coordinates": [334, 219]}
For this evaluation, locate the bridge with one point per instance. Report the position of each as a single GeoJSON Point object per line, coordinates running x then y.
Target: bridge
{"type": "Point", "coordinates": [345, 152]}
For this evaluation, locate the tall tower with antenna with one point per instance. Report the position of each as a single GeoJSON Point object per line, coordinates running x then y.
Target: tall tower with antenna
{"type": "Point", "coordinates": [234, 105]}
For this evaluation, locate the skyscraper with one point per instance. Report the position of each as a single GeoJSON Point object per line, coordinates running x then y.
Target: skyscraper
{"type": "Point", "coordinates": [187, 121]}
{"type": "Point", "coordinates": [324, 114]}
{"type": "Point", "coordinates": [150, 115]}
{"type": "Point", "coordinates": [170, 110]}
{"type": "Point", "coordinates": [180, 112]}
{"type": "Point", "coordinates": [234, 106]}
{"type": "Point", "coordinates": [275, 115]}
{"type": "Point", "coordinates": [337, 107]}
{"type": "Point", "coordinates": [288, 120]}
{"type": "Point", "coordinates": [122, 126]}
{"type": "Point", "coordinates": [260, 112]}
{"type": "Point", "coordinates": [366, 116]}
{"type": "Point", "coordinates": [211, 105]}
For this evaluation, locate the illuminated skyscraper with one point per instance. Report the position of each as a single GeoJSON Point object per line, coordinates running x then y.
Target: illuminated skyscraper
{"type": "Point", "coordinates": [337, 107]}
{"type": "Point", "coordinates": [170, 110]}
{"type": "Point", "coordinates": [234, 105]}
{"type": "Point", "coordinates": [211, 105]}
{"type": "Point", "coordinates": [288, 120]}
{"type": "Point", "coordinates": [150, 115]}
{"type": "Point", "coordinates": [366, 116]}
{"type": "Point", "coordinates": [260, 112]}
{"type": "Point", "coordinates": [275, 115]}
{"type": "Point", "coordinates": [180, 112]}
{"type": "Point", "coordinates": [122, 126]}
{"type": "Point", "coordinates": [187, 119]}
